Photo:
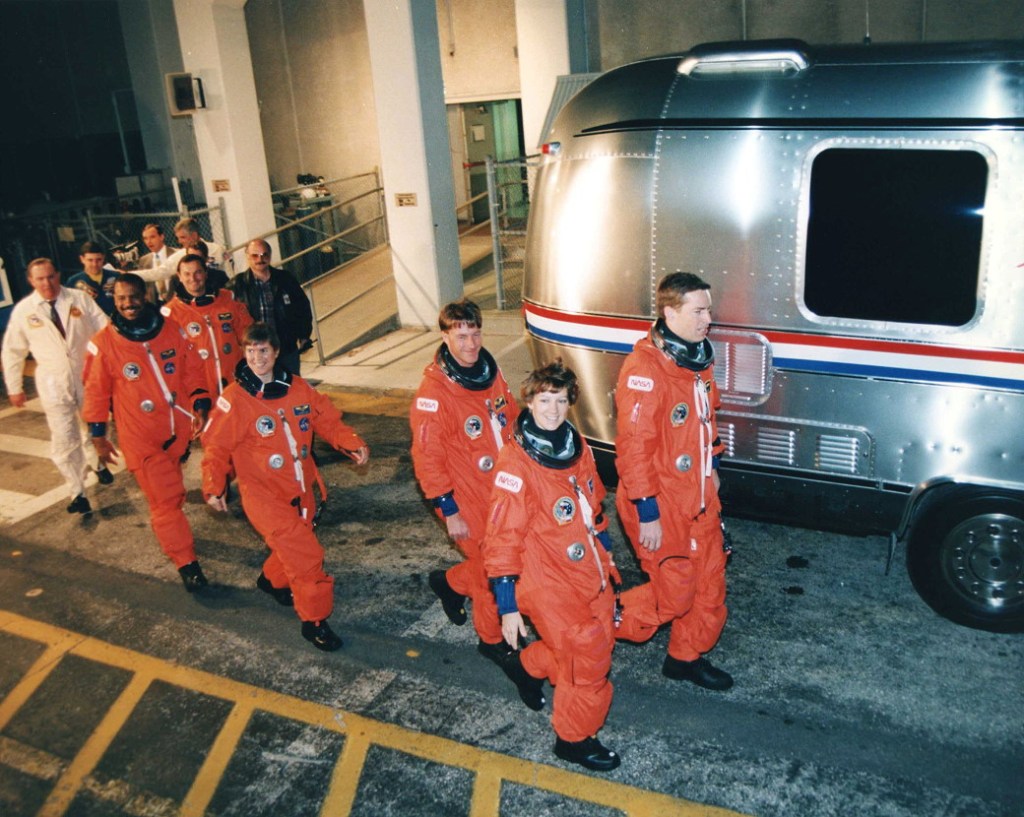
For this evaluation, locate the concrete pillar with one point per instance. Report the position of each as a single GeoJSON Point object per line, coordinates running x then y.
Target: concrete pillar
{"type": "Point", "coordinates": [215, 48]}
{"type": "Point", "coordinates": [542, 34]}
{"type": "Point", "coordinates": [151, 42]}
{"type": "Point", "coordinates": [405, 60]}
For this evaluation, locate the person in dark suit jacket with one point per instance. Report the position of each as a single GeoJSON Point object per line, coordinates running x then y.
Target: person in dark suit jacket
{"type": "Point", "coordinates": [274, 297]}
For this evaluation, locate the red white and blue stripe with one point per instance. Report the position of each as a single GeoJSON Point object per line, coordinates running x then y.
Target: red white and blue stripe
{"type": "Point", "coordinates": [793, 351]}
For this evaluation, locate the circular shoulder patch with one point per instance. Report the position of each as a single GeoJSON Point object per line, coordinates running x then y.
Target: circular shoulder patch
{"type": "Point", "coordinates": [265, 425]}
{"type": "Point", "coordinates": [680, 411]}
{"type": "Point", "coordinates": [131, 371]}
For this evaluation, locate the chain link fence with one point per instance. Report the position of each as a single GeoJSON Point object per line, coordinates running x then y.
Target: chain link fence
{"type": "Point", "coordinates": [58, 234]}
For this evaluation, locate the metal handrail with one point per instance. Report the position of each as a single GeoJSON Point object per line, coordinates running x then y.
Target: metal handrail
{"type": "Point", "coordinates": [293, 223]}
{"type": "Point", "coordinates": [327, 241]}
{"type": "Point", "coordinates": [325, 183]}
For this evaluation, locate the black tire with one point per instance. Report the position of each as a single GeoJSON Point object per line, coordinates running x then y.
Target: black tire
{"type": "Point", "coordinates": [965, 556]}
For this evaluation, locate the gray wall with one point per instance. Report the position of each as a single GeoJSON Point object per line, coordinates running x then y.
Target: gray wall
{"type": "Point", "coordinates": [311, 57]}
{"type": "Point", "coordinates": [622, 31]}
{"type": "Point", "coordinates": [311, 60]}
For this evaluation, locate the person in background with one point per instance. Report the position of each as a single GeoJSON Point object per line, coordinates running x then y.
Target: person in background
{"type": "Point", "coordinates": [143, 366]}
{"type": "Point", "coordinates": [548, 558]}
{"type": "Point", "coordinates": [186, 232]}
{"type": "Point", "coordinates": [667, 451]}
{"type": "Point", "coordinates": [158, 255]}
{"type": "Point", "coordinates": [212, 320]}
{"type": "Point", "coordinates": [461, 417]}
{"type": "Point", "coordinates": [54, 324]}
{"type": "Point", "coordinates": [262, 429]}
{"type": "Point", "coordinates": [97, 276]}
{"type": "Point", "coordinates": [275, 298]}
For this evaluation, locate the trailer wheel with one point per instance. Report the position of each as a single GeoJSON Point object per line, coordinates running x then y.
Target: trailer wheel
{"type": "Point", "coordinates": [965, 556]}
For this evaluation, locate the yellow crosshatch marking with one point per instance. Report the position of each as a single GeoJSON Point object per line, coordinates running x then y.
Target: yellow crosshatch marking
{"type": "Point", "coordinates": [490, 768]}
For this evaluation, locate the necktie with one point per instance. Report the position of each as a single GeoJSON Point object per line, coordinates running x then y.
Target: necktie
{"type": "Point", "coordinates": [56, 318]}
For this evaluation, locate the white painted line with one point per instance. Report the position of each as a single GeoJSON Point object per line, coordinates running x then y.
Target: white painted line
{"type": "Point", "coordinates": [14, 506]}
{"type": "Point", "coordinates": [27, 446]}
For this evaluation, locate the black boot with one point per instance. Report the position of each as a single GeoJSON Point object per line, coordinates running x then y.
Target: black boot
{"type": "Point", "coordinates": [530, 689]}
{"type": "Point", "coordinates": [589, 753]}
{"type": "Point", "coordinates": [282, 595]}
{"type": "Point", "coordinates": [192, 577]}
{"type": "Point", "coordinates": [700, 672]}
{"type": "Point", "coordinates": [320, 635]}
{"type": "Point", "coordinates": [80, 505]}
{"type": "Point", "coordinates": [104, 476]}
{"type": "Point", "coordinates": [454, 604]}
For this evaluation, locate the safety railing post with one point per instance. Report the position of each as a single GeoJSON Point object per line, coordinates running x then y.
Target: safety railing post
{"type": "Point", "coordinates": [492, 205]}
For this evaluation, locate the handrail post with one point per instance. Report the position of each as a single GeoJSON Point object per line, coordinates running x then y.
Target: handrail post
{"type": "Point", "coordinates": [492, 206]}
{"type": "Point", "coordinates": [316, 326]}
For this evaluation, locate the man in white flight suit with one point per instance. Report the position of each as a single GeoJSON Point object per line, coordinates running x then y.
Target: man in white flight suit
{"type": "Point", "coordinates": [55, 324]}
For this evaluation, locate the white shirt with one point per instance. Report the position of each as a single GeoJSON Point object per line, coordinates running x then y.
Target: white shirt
{"type": "Point", "coordinates": [59, 361]}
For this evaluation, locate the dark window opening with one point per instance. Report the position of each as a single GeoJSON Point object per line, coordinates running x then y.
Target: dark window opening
{"type": "Point", "coordinates": [895, 235]}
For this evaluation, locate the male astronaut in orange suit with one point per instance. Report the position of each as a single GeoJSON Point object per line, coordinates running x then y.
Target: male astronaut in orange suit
{"type": "Point", "coordinates": [144, 367]}
{"type": "Point", "coordinates": [263, 426]}
{"type": "Point", "coordinates": [462, 415]}
{"type": "Point", "coordinates": [214, 322]}
{"type": "Point", "coordinates": [667, 450]}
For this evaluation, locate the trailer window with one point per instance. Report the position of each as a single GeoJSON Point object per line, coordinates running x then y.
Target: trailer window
{"type": "Point", "coordinates": [895, 235]}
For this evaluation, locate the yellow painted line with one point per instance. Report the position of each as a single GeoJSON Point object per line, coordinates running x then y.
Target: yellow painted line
{"type": "Point", "coordinates": [70, 782]}
{"type": "Point", "coordinates": [486, 793]}
{"type": "Point", "coordinates": [216, 763]}
{"type": "Point", "coordinates": [37, 673]}
{"type": "Point", "coordinates": [360, 733]}
{"type": "Point", "coordinates": [341, 794]}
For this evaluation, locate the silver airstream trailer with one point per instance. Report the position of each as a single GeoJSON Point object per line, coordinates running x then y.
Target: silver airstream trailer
{"type": "Point", "coordinates": [859, 214]}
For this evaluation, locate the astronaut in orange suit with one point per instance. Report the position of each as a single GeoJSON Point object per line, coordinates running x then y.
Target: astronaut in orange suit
{"type": "Point", "coordinates": [461, 417]}
{"type": "Point", "coordinates": [548, 557]}
{"type": "Point", "coordinates": [214, 322]}
{"type": "Point", "coordinates": [667, 451]}
{"type": "Point", "coordinates": [263, 425]}
{"type": "Point", "coordinates": [144, 367]}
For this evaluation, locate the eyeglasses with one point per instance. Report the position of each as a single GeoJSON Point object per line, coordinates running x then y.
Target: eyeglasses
{"type": "Point", "coordinates": [260, 255]}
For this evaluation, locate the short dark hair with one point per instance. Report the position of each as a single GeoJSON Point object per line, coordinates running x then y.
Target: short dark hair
{"type": "Point", "coordinates": [190, 258]}
{"type": "Point", "coordinates": [674, 287]}
{"type": "Point", "coordinates": [260, 332]}
{"type": "Point", "coordinates": [460, 312]}
{"type": "Point", "coordinates": [153, 226]}
{"type": "Point", "coordinates": [92, 246]}
{"type": "Point", "coordinates": [132, 280]}
{"type": "Point", "coordinates": [553, 377]}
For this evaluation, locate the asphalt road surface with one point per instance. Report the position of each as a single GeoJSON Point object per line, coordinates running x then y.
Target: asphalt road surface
{"type": "Point", "coordinates": [121, 694]}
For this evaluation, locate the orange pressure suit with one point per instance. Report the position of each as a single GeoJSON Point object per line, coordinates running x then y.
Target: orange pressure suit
{"type": "Point", "coordinates": [457, 432]}
{"type": "Point", "coordinates": [151, 376]}
{"type": "Point", "coordinates": [215, 325]}
{"type": "Point", "coordinates": [667, 438]}
{"type": "Point", "coordinates": [266, 432]}
{"type": "Point", "coordinates": [542, 527]}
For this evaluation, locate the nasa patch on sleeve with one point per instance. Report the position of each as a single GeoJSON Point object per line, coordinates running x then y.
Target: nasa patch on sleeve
{"type": "Point", "coordinates": [92, 348]}
{"type": "Point", "coordinates": [426, 404]}
{"type": "Point", "coordinates": [637, 383]}
{"type": "Point", "coordinates": [223, 404]}
{"type": "Point", "coordinates": [508, 482]}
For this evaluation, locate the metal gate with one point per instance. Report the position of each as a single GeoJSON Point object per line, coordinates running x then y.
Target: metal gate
{"type": "Point", "coordinates": [508, 190]}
